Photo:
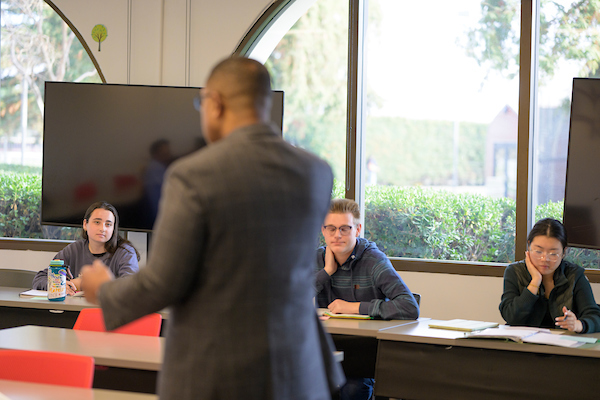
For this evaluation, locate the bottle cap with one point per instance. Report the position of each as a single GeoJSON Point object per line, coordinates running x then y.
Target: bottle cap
{"type": "Point", "coordinates": [57, 263]}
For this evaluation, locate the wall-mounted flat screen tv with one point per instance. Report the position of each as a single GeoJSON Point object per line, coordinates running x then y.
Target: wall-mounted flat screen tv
{"type": "Point", "coordinates": [112, 142]}
{"type": "Point", "coordinates": [582, 192]}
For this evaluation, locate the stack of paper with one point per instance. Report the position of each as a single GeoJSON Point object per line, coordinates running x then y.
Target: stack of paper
{"type": "Point", "coordinates": [464, 325]}
{"type": "Point", "coordinates": [34, 293]}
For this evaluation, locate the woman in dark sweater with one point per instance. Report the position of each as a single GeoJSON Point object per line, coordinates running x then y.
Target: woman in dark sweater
{"type": "Point", "coordinates": [546, 291]}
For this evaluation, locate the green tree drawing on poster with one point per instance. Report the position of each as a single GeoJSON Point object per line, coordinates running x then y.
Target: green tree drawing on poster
{"type": "Point", "coordinates": [99, 34]}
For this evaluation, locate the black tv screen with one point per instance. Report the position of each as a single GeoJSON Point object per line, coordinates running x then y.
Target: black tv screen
{"type": "Point", "coordinates": [582, 192]}
{"type": "Point", "coordinates": [98, 141]}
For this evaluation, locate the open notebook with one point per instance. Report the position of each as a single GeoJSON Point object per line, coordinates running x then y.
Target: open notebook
{"type": "Point", "coordinates": [522, 334]}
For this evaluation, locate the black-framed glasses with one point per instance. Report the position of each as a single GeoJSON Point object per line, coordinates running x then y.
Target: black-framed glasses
{"type": "Point", "coordinates": [344, 229]}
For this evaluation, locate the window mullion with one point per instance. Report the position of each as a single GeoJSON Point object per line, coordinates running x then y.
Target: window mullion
{"type": "Point", "coordinates": [527, 63]}
{"type": "Point", "coordinates": [355, 143]}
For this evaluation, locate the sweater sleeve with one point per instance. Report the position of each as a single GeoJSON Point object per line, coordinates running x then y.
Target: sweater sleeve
{"type": "Point", "coordinates": [399, 302]}
{"type": "Point", "coordinates": [322, 281]}
{"type": "Point", "coordinates": [40, 280]}
{"type": "Point", "coordinates": [517, 305]}
{"type": "Point", "coordinates": [322, 278]}
{"type": "Point", "coordinates": [589, 311]}
{"type": "Point", "coordinates": [125, 262]}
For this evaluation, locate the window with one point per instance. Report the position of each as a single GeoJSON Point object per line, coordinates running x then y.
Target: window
{"type": "Point", "coordinates": [441, 135]}
{"type": "Point", "coordinates": [310, 65]}
{"type": "Point", "coordinates": [568, 48]}
{"type": "Point", "coordinates": [440, 168]}
{"type": "Point", "coordinates": [37, 45]}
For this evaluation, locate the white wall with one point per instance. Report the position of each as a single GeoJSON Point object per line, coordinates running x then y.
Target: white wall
{"type": "Point", "coordinates": [448, 296]}
{"type": "Point", "coordinates": [25, 259]}
{"type": "Point", "coordinates": [165, 42]}
{"type": "Point", "coordinates": [443, 296]}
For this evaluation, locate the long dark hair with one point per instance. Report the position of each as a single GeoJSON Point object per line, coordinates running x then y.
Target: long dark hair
{"type": "Point", "coordinates": [115, 240]}
{"type": "Point", "coordinates": [551, 228]}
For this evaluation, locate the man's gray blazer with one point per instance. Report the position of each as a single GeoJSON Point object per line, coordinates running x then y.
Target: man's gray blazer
{"type": "Point", "coordinates": [232, 255]}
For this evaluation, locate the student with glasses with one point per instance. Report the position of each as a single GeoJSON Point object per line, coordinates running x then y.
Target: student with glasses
{"type": "Point", "coordinates": [354, 277]}
{"type": "Point", "coordinates": [544, 290]}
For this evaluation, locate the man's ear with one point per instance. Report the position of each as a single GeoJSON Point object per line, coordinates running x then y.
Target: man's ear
{"type": "Point", "coordinates": [219, 106]}
{"type": "Point", "coordinates": [358, 229]}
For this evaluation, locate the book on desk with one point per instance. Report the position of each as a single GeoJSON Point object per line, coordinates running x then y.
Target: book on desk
{"type": "Point", "coordinates": [346, 316]}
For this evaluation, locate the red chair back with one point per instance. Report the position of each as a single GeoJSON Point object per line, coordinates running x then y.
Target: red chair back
{"type": "Point", "coordinates": [92, 319]}
{"type": "Point", "coordinates": [47, 367]}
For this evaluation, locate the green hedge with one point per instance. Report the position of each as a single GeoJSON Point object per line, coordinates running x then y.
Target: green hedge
{"type": "Point", "coordinates": [20, 205]}
{"type": "Point", "coordinates": [404, 221]}
{"type": "Point", "coordinates": [425, 223]}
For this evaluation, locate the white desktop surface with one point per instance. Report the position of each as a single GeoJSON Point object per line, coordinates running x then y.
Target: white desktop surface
{"type": "Point", "coordinates": [108, 349]}
{"type": "Point", "coordinates": [16, 390]}
{"type": "Point", "coordinates": [360, 327]}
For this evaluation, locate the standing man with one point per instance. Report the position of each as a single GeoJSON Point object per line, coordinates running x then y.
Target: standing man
{"type": "Point", "coordinates": [354, 277]}
{"type": "Point", "coordinates": [231, 256]}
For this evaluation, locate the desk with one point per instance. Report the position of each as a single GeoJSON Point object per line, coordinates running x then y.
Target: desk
{"type": "Point", "coordinates": [16, 390]}
{"type": "Point", "coordinates": [363, 328]}
{"type": "Point", "coordinates": [359, 327]}
{"type": "Point", "coordinates": [108, 349]}
{"type": "Point", "coordinates": [18, 311]}
{"type": "Point", "coordinates": [9, 297]}
{"type": "Point", "coordinates": [134, 360]}
{"type": "Point", "coordinates": [357, 339]}
{"type": "Point", "coordinates": [417, 362]}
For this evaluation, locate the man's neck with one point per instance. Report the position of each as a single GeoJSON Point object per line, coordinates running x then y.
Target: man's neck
{"type": "Point", "coordinates": [342, 258]}
{"type": "Point", "coordinates": [232, 124]}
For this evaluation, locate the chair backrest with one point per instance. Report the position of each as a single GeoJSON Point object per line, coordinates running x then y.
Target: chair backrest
{"type": "Point", "coordinates": [47, 367]}
{"type": "Point", "coordinates": [417, 297]}
{"type": "Point", "coordinates": [92, 319]}
{"type": "Point", "coordinates": [16, 277]}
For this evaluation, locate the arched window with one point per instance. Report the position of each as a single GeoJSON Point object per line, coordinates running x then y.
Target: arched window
{"type": "Point", "coordinates": [37, 46]}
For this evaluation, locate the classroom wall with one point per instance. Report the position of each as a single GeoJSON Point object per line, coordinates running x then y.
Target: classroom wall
{"type": "Point", "coordinates": [162, 42]}
{"type": "Point", "coordinates": [175, 42]}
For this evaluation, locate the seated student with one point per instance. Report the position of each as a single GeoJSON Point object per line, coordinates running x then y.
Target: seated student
{"type": "Point", "coordinates": [546, 291]}
{"type": "Point", "coordinates": [100, 241]}
{"type": "Point", "coordinates": [354, 277]}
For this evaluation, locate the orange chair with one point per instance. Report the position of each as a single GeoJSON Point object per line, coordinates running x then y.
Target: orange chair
{"type": "Point", "coordinates": [47, 367]}
{"type": "Point", "coordinates": [92, 319]}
